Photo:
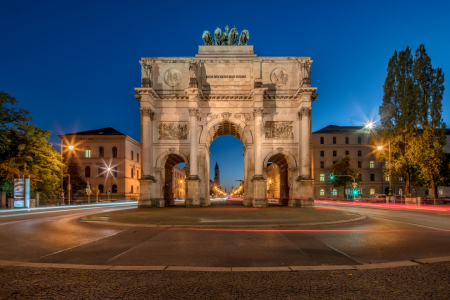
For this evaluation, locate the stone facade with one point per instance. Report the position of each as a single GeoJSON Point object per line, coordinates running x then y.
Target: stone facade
{"type": "Point", "coordinates": [263, 101]}
{"type": "Point", "coordinates": [95, 150]}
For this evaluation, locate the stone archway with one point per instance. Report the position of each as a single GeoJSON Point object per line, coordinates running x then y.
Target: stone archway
{"type": "Point", "coordinates": [187, 102]}
{"type": "Point", "coordinates": [285, 167]}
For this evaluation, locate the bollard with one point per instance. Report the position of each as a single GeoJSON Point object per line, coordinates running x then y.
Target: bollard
{"type": "Point", "coordinates": [37, 199]}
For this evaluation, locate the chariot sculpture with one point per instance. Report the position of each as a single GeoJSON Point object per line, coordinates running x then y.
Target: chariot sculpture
{"type": "Point", "coordinates": [226, 37]}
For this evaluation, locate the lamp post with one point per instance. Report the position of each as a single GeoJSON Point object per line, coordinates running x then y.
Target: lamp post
{"type": "Point", "coordinates": [390, 179]}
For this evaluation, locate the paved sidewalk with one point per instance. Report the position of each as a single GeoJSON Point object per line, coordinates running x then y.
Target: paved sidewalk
{"type": "Point", "coordinates": [425, 281]}
{"type": "Point", "coordinates": [221, 215]}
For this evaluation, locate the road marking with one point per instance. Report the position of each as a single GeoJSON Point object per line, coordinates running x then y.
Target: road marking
{"type": "Point", "coordinates": [429, 227]}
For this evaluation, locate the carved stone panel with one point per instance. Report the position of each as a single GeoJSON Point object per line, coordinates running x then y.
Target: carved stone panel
{"type": "Point", "coordinates": [172, 77]}
{"type": "Point", "coordinates": [279, 130]}
{"type": "Point", "coordinates": [173, 130]}
{"type": "Point", "coordinates": [279, 77]}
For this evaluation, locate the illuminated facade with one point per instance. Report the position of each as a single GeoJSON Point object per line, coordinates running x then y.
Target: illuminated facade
{"type": "Point", "coordinates": [179, 183]}
{"type": "Point", "coordinates": [96, 150]}
{"type": "Point", "coordinates": [273, 181]}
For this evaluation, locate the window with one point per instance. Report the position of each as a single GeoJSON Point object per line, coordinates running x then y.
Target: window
{"type": "Point", "coordinates": [114, 171]}
{"type": "Point", "coordinates": [131, 189]}
{"type": "Point", "coordinates": [100, 172]}
{"type": "Point", "coordinates": [114, 188]}
{"type": "Point", "coordinates": [335, 153]}
{"type": "Point", "coordinates": [359, 177]}
{"type": "Point", "coordinates": [100, 188]}
{"type": "Point", "coordinates": [334, 192]}
{"type": "Point", "coordinates": [386, 178]}
{"type": "Point", "coordinates": [334, 162]}
{"type": "Point", "coordinates": [400, 191]}
{"type": "Point", "coordinates": [101, 152]}
{"type": "Point", "coordinates": [426, 192]}
{"type": "Point", "coordinates": [359, 152]}
{"type": "Point", "coordinates": [87, 153]}
{"type": "Point", "coordinates": [132, 155]}
{"type": "Point", "coordinates": [359, 164]}
{"type": "Point", "coordinates": [87, 171]}
{"type": "Point", "coordinates": [441, 192]}
{"type": "Point", "coordinates": [372, 177]}
{"type": "Point", "coordinates": [400, 179]}
{"type": "Point", "coordinates": [346, 139]}
{"type": "Point", "coordinates": [322, 153]}
{"type": "Point", "coordinates": [334, 140]}
{"type": "Point", "coordinates": [322, 192]}
{"type": "Point", "coordinates": [322, 177]}
{"type": "Point", "coordinates": [346, 152]}
{"type": "Point", "coordinates": [137, 157]}
{"type": "Point", "coordinates": [132, 172]}
{"type": "Point", "coordinates": [322, 164]}
{"type": "Point", "coordinates": [114, 152]}
{"type": "Point", "coordinates": [137, 174]}
{"type": "Point", "coordinates": [372, 164]}
{"type": "Point", "coordinates": [372, 191]}
{"type": "Point", "coordinates": [359, 140]}
{"type": "Point", "coordinates": [321, 140]}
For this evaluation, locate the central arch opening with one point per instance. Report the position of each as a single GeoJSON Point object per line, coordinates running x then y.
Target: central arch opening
{"type": "Point", "coordinates": [225, 142]}
{"type": "Point", "coordinates": [174, 189]}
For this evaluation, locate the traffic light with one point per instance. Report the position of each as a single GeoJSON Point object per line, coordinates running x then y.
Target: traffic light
{"type": "Point", "coordinates": [331, 176]}
{"type": "Point", "coordinates": [355, 192]}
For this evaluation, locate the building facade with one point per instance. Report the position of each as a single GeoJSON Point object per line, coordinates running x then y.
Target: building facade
{"type": "Point", "coordinates": [331, 144]}
{"type": "Point", "coordinates": [273, 181]}
{"type": "Point", "coordinates": [96, 151]}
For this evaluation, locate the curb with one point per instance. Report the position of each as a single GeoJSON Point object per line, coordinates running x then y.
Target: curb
{"type": "Point", "coordinates": [406, 263]}
{"type": "Point", "coordinates": [85, 220]}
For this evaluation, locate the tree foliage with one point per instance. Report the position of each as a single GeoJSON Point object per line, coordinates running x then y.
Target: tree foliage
{"type": "Point", "coordinates": [411, 119]}
{"type": "Point", "coordinates": [76, 179]}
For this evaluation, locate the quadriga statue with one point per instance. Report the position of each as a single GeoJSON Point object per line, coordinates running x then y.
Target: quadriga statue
{"type": "Point", "coordinates": [226, 37]}
{"type": "Point", "coordinates": [207, 38]}
{"type": "Point", "coordinates": [245, 36]}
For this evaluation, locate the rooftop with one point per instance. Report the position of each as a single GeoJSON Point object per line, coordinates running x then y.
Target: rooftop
{"type": "Point", "coordinates": [101, 131]}
{"type": "Point", "coordinates": [340, 129]}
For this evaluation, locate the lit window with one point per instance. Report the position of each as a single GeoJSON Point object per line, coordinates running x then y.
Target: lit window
{"type": "Point", "coordinates": [400, 179]}
{"type": "Point", "coordinates": [386, 164]}
{"type": "Point", "coordinates": [372, 164]}
{"type": "Point", "coordinates": [88, 153]}
{"type": "Point", "coordinates": [440, 191]}
{"type": "Point", "coordinates": [386, 178]}
{"type": "Point", "coordinates": [334, 192]}
{"type": "Point", "coordinates": [322, 177]}
{"type": "Point", "coordinates": [322, 192]}
{"type": "Point", "coordinates": [372, 191]}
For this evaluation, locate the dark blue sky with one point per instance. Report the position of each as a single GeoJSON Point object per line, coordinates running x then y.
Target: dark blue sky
{"type": "Point", "coordinates": [74, 64]}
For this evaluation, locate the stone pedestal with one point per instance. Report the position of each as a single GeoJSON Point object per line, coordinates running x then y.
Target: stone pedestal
{"type": "Point", "coordinates": [247, 202]}
{"type": "Point", "coordinates": [259, 192]}
{"type": "Point", "coordinates": [306, 193]}
{"type": "Point", "coordinates": [193, 192]}
{"type": "Point", "coordinates": [145, 200]}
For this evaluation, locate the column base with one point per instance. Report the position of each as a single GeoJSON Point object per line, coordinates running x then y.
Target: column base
{"type": "Point", "coordinates": [193, 192]}
{"type": "Point", "coordinates": [147, 184]}
{"type": "Point", "coordinates": [305, 193]}
{"type": "Point", "coordinates": [247, 202]}
{"type": "Point", "coordinates": [259, 198]}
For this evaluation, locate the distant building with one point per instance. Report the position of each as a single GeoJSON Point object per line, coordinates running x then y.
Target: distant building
{"type": "Point", "coordinates": [217, 175]}
{"type": "Point", "coordinates": [273, 181]}
{"type": "Point", "coordinates": [331, 143]}
{"type": "Point", "coordinates": [96, 151]}
{"type": "Point", "coordinates": [179, 183]}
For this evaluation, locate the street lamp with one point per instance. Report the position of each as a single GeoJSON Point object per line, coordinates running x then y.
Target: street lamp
{"type": "Point", "coordinates": [390, 179]}
{"type": "Point", "coordinates": [61, 202]}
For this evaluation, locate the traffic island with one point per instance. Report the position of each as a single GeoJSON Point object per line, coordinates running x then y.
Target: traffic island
{"type": "Point", "coordinates": [219, 216]}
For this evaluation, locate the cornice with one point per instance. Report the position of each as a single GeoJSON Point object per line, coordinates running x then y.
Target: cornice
{"type": "Point", "coordinates": [146, 91]}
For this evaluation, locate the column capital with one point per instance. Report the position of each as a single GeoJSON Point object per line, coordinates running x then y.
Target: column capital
{"type": "Point", "coordinates": [193, 93]}
{"type": "Point", "coordinates": [193, 112]}
{"type": "Point", "coordinates": [305, 111]}
{"type": "Point", "coordinates": [258, 111]}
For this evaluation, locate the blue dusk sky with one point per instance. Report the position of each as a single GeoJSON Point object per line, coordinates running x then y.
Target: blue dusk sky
{"type": "Point", "coordinates": [74, 64]}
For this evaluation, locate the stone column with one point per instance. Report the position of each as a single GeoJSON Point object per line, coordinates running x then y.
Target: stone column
{"type": "Point", "coordinates": [304, 140]}
{"type": "Point", "coordinates": [259, 182]}
{"type": "Point", "coordinates": [193, 181]}
{"type": "Point", "coordinates": [147, 179]}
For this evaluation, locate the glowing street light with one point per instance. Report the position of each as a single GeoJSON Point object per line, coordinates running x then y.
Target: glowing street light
{"type": "Point", "coordinates": [71, 147]}
{"type": "Point", "coordinates": [380, 147]}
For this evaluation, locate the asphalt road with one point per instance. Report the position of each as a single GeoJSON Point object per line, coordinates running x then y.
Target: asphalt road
{"type": "Point", "coordinates": [56, 236]}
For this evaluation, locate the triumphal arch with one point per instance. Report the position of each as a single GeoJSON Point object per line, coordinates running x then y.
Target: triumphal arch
{"type": "Point", "coordinates": [187, 102]}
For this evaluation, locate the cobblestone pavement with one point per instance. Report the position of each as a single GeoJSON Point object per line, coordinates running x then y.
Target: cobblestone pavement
{"type": "Point", "coordinates": [430, 281]}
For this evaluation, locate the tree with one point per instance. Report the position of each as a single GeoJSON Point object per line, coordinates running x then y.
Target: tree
{"type": "Point", "coordinates": [428, 92]}
{"type": "Point", "coordinates": [344, 167]}
{"type": "Point", "coordinates": [76, 179]}
{"type": "Point", "coordinates": [33, 155]}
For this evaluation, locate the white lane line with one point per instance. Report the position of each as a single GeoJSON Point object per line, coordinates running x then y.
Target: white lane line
{"type": "Point", "coordinates": [343, 253]}
{"type": "Point", "coordinates": [79, 245]}
{"type": "Point", "coordinates": [428, 227]}
{"type": "Point", "coordinates": [55, 211]}
{"type": "Point", "coordinates": [63, 207]}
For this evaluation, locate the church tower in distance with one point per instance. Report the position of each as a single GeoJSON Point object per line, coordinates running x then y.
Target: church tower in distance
{"type": "Point", "coordinates": [217, 175]}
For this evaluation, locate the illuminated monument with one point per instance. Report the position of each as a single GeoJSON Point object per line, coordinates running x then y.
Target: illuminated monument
{"type": "Point", "coordinates": [226, 89]}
